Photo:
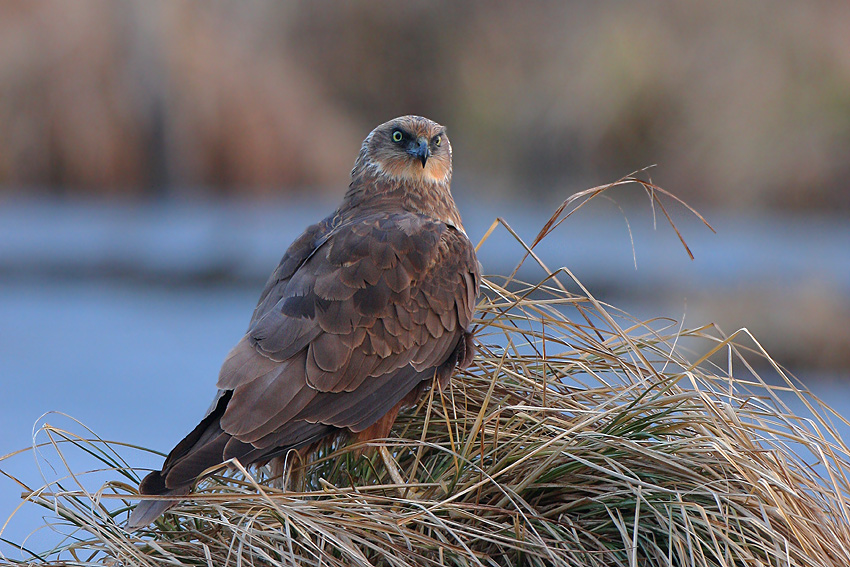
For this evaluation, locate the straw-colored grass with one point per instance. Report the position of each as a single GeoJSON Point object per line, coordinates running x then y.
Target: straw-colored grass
{"type": "Point", "coordinates": [578, 437]}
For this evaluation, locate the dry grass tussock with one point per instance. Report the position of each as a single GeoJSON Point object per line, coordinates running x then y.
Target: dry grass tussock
{"type": "Point", "coordinates": [579, 437]}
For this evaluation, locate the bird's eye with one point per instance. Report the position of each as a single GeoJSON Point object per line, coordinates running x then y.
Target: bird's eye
{"type": "Point", "coordinates": [397, 136]}
{"type": "Point", "coordinates": [438, 140]}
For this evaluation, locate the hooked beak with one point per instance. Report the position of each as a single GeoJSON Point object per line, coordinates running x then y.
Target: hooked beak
{"type": "Point", "coordinates": [421, 150]}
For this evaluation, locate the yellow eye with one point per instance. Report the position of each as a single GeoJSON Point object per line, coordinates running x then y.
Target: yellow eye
{"type": "Point", "coordinates": [438, 140]}
{"type": "Point", "coordinates": [397, 136]}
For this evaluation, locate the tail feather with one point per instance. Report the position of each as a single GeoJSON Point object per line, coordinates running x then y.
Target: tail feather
{"type": "Point", "coordinates": [206, 446]}
{"type": "Point", "coordinates": [147, 511]}
{"type": "Point", "coordinates": [186, 453]}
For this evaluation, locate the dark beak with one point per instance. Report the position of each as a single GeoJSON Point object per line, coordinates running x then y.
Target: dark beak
{"type": "Point", "coordinates": [421, 150]}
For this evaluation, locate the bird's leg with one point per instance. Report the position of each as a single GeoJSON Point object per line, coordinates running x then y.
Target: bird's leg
{"type": "Point", "coordinates": [287, 471]}
{"type": "Point", "coordinates": [277, 472]}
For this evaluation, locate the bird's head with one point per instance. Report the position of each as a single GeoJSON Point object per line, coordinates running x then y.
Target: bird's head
{"type": "Point", "coordinates": [408, 148]}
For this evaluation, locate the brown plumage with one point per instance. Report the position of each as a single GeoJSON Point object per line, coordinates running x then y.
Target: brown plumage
{"type": "Point", "coordinates": [365, 310]}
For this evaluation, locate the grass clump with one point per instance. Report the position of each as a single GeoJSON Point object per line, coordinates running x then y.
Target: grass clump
{"type": "Point", "coordinates": [579, 437]}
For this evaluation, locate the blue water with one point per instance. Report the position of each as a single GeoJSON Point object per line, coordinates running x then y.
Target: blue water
{"type": "Point", "coordinates": [600, 243]}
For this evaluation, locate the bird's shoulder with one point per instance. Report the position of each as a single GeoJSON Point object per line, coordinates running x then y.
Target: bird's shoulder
{"type": "Point", "coordinates": [370, 239]}
{"type": "Point", "coordinates": [300, 249]}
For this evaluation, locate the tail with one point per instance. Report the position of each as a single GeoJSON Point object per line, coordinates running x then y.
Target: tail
{"type": "Point", "coordinates": [147, 511]}
{"type": "Point", "coordinates": [205, 447]}
{"type": "Point", "coordinates": [196, 442]}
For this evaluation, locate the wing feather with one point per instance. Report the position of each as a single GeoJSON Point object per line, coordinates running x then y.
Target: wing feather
{"type": "Point", "coordinates": [255, 402]}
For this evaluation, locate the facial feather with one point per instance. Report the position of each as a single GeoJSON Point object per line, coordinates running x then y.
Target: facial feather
{"type": "Point", "coordinates": [392, 159]}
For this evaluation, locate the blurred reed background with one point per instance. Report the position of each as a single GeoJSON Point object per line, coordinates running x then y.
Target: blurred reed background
{"type": "Point", "coordinates": [156, 158]}
{"type": "Point", "coordinates": [744, 105]}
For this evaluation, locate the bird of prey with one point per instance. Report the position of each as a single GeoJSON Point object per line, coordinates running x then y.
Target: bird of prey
{"type": "Point", "coordinates": [367, 308]}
